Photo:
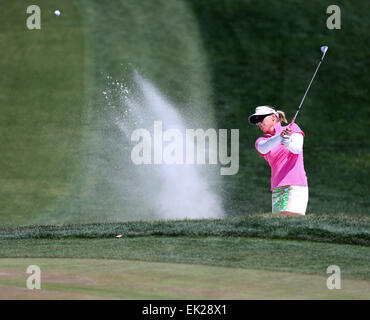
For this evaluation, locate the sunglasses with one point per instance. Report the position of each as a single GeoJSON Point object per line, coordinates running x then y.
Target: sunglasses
{"type": "Point", "coordinates": [260, 118]}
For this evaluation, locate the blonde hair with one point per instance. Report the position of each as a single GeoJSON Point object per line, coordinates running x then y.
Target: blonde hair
{"type": "Point", "coordinates": [282, 117]}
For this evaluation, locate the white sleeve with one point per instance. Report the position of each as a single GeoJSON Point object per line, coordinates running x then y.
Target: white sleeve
{"type": "Point", "coordinates": [296, 143]}
{"type": "Point", "coordinates": [266, 146]}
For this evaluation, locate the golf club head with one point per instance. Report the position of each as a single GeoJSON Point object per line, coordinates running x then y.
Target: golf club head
{"type": "Point", "coordinates": [323, 50]}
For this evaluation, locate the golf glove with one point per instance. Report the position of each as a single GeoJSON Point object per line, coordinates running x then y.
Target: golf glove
{"type": "Point", "coordinates": [286, 140]}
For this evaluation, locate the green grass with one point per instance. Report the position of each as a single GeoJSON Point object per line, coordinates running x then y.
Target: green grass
{"type": "Point", "coordinates": [67, 185]}
{"type": "Point", "coordinates": [62, 163]}
{"type": "Point", "coordinates": [256, 242]}
{"type": "Point", "coordinates": [112, 279]}
{"type": "Point", "coordinates": [231, 252]}
{"type": "Point", "coordinates": [42, 102]}
{"type": "Point", "coordinates": [341, 229]}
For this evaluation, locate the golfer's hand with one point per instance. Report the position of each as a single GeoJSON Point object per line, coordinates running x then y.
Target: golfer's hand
{"type": "Point", "coordinates": [286, 132]}
{"type": "Point", "coordinates": [286, 140]}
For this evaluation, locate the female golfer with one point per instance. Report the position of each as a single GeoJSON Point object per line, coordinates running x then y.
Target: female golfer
{"type": "Point", "coordinates": [282, 147]}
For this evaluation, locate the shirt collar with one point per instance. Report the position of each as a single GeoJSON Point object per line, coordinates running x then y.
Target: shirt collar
{"type": "Point", "coordinates": [277, 130]}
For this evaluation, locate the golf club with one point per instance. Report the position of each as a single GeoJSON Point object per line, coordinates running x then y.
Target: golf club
{"type": "Point", "coordinates": [323, 50]}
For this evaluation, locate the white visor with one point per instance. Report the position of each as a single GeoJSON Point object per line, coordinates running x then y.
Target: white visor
{"type": "Point", "coordinates": [261, 111]}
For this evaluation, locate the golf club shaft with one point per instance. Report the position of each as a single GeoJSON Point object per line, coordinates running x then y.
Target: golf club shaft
{"type": "Point", "coordinates": [308, 88]}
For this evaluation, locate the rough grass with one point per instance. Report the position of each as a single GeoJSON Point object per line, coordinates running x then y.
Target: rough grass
{"type": "Point", "coordinates": [314, 228]}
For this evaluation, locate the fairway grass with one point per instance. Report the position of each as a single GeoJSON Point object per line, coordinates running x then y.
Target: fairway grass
{"type": "Point", "coordinates": [232, 252]}
{"type": "Point", "coordinates": [112, 279]}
